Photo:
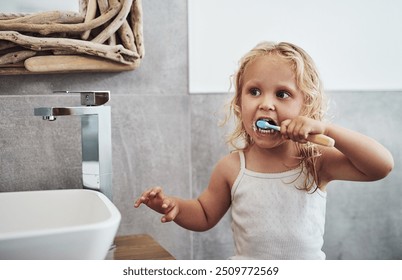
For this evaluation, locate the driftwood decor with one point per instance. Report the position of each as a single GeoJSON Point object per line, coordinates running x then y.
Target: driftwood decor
{"type": "Point", "coordinates": [105, 36]}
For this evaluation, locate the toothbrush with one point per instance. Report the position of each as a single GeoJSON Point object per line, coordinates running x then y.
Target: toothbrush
{"type": "Point", "coordinates": [320, 139]}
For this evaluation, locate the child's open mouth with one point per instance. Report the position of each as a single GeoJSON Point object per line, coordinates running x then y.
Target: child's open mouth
{"type": "Point", "coordinates": [265, 126]}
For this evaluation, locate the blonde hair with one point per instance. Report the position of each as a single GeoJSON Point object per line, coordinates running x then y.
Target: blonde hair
{"type": "Point", "coordinates": [307, 81]}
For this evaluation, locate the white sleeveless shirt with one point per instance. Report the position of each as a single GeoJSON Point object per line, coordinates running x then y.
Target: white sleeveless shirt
{"type": "Point", "coordinates": [272, 219]}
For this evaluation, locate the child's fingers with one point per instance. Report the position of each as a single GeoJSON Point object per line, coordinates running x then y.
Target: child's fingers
{"type": "Point", "coordinates": [300, 133]}
{"type": "Point", "coordinates": [155, 191]}
{"type": "Point", "coordinates": [171, 213]}
{"type": "Point", "coordinates": [143, 199]}
{"type": "Point", "coordinates": [147, 195]}
{"type": "Point", "coordinates": [138, 202]}
{"type": "Point", "coordinates": [168, 203]}
{"type": "Point", "coordinates": [155, 199]}
{"type": "Point", "coordinates": [294, 130]}
{"type": "Point", "coordinates": [284, 128]}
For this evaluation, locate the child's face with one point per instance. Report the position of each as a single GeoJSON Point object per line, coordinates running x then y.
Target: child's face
{"type": "Point", "coordinates": [269, 91]}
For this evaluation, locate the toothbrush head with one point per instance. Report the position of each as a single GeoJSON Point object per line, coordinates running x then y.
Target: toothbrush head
{"type": "Point", "coordinates": [266, 125]}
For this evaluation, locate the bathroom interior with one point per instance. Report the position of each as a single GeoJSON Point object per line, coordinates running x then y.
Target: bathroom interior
{"type": "Point", "coordinates": [164, 133]}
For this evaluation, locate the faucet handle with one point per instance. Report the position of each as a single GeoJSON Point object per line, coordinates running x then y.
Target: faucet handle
{"type": "Point", "coordinates": [90, 98]}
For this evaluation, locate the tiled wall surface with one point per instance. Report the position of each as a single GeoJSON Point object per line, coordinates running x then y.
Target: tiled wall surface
{"type": "Point", "coordinates": [164, 136]}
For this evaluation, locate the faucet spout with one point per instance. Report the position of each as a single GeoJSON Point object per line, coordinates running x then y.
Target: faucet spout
{"type": "Point", "coordinates": [67, 111]}
{"type": "Point", "coordinates": [95, 140]}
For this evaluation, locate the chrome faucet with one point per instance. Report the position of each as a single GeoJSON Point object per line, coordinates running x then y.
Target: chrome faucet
{"type": "Point", "coordinates": [96, 137]}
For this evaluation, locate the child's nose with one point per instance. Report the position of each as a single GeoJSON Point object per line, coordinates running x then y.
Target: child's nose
{"type": "Point", "coordinates": [267, 103]}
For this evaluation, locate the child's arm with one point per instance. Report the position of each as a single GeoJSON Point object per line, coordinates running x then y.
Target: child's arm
{"type": "Point", "coordinates": [194, 214]}
{"type": "Point", "coordinates": [356, 157]}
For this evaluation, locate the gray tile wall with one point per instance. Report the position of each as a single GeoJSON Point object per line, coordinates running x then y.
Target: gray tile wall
{"type": "Point", "coordinates": [163, 136]}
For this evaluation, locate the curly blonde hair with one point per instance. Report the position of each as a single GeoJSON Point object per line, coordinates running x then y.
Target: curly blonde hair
{"type": "Point", "coordinates": [308, 82]}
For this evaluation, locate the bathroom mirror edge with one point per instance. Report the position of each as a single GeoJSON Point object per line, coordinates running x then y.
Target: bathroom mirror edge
{"type": "Point", "coordinates": [105, 36]}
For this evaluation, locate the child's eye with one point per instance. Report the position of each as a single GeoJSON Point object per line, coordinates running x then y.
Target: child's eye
{"type": "Point", "coordinates": [255, 92]}
{"type": "Point", "coordinates": [282, 94]}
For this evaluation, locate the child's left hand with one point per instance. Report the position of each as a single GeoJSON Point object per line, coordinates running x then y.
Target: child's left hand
{"type": "Point", "coordinates": [299, 128]}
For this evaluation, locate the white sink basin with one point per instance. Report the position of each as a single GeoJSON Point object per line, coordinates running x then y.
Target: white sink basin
{"type": "Point", "coordinates": [56, 224]}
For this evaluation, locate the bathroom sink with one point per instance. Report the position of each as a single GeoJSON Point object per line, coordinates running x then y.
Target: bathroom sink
{"type": "Point", "coordinates": [56, 224]}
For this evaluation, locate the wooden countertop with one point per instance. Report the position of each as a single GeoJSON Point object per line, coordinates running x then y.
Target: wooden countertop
{"type": "Point", "coordinates": [139, 247]}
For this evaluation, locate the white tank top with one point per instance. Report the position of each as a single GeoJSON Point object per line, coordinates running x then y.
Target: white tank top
{"type": "Point", "coordinates": [272, 219]}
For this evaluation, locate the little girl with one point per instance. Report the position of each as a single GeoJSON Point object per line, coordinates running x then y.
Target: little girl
{"type": "Point", "coordinates": [275, 181]}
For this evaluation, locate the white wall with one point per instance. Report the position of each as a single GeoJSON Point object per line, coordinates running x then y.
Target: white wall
{"type": "Point", "coordinates": [356, 44]}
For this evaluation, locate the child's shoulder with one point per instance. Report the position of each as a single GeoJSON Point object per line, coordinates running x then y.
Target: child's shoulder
{"type": "Point", "coordinates": [229, 167]}
{"type": "Point", "coordinates": [230, 160]}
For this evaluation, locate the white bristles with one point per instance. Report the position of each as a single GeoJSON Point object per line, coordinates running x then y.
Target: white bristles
{"type": "Point", "coordinates": [263, 131]}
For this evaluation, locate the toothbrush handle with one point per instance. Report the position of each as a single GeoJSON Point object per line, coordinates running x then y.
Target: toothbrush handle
{"type": "Point", "coordinates": [321, 139]}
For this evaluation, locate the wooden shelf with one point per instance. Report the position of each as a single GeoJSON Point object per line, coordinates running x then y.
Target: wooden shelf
{"type": "Point", "coordinates": [139, 247]}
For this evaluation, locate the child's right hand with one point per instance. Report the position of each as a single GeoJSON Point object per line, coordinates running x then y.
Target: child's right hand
{"type": "Point", "coordinates": [155, 199]}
